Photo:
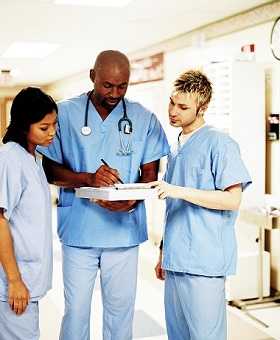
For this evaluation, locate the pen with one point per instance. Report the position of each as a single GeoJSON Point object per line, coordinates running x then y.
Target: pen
{"type": "Point", "coordinates": [105, 163]}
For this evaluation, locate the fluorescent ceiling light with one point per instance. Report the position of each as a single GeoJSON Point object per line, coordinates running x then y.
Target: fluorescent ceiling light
{"type": "Point", "coordinates": [99, 3]}
{"type": "Point", "coordinates": [29, 50]}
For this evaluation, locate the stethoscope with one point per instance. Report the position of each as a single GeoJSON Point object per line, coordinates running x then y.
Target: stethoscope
{"type": "Point", "coordinates": [124, 127]}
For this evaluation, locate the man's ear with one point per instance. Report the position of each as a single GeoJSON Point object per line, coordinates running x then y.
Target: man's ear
{"type": "Point", "coordinates": [92, 74]}
{"type": "Point", "coordinates": [202, 110]}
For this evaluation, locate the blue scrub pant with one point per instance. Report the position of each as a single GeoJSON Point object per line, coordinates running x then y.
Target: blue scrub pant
{"type": "Point", "coordinates": [195, 307]}
{"type": "Point", "coordinates": [118, 278]}
{"type": "Point", "coordinates": [19, 327]}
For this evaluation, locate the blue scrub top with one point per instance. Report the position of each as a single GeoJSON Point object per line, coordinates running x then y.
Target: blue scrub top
{"type": "Point", "coordinates": [198, 240]}
{"type": "Point", "coordinates": [25, 198]}
{"type": "Point", "coordinates": [80, 222]}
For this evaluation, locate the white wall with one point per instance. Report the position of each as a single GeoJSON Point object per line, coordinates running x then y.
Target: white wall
{"type": "Point", "coordinates": [260, 36]}
{"type": "Point", "coordinates": [228, 48]}
{"type": "Point", "coordinates": [71, 86]}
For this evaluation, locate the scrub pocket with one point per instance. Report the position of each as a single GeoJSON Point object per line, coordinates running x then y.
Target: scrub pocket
{"type": "Point", "coordinates": [196, 177]}
{"type": "Point", "coordinates": [20, 327]}
{"type": "Point", "coordinates": [202, 177]}
{"type": "Point", "coordinates": [130, 165]}
{"type": "Point", "coordinates": [63, 217]}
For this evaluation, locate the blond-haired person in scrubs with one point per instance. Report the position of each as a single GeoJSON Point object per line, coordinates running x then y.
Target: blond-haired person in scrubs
{"type": "Point", "coordinates": [203, 185]}
{"type": "Point", "coordinates": [25, 215]}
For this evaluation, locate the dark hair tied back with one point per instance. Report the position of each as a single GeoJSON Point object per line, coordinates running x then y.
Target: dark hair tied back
{"type": "Point", "coordinates": [29, 106]}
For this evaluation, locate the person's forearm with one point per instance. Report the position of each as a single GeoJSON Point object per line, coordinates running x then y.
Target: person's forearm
{"type": "Point", "coordinates": [148, 176]}
{"type": "Point", "coordinates": [66, 178]}
{"type": "Point", "coordinates": [63, 177]}
{"type": "Point", "coordinates": [212, 199]}
{"type": "Point", "coordinates": [149, 172]}
{"type": "Point", "coordinates": [7, 255]}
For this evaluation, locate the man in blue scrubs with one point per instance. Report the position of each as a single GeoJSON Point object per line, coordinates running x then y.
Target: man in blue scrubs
{"type": "Point", "coordinates": [203, 184]}
{"type": "Point", "coordinates": [102, 235]}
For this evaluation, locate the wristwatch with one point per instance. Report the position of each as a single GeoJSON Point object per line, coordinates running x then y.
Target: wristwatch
{"type": "Point", "coordinates": [275, 39]}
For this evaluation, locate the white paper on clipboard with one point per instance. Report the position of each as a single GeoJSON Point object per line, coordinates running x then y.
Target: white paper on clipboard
{"type": "Point", "coordinates": [119, 192]}
{"type": "Point", "coordinates": [126, 186]}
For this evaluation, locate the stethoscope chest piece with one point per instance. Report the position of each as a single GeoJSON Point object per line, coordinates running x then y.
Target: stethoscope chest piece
{"type": "Point", "coordinates": [86, 130]}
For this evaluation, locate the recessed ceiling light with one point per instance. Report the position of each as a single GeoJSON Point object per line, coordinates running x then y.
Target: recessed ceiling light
{"type": "Point", "coordinates": [29, 50]}
{"type": "Point", "coordinates": [100, 3]}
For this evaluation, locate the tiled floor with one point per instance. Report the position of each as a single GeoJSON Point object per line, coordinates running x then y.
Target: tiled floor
{"type": "Point", "coordinates": [149, 312]}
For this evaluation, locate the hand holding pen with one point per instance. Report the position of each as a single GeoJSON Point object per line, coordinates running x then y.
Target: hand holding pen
{"type": "Point", "coordinates": [111, 176]}
{"type": "Point", "coordinates": [106, 176]}
{"type": "Point", "coordinates": [118, 177]}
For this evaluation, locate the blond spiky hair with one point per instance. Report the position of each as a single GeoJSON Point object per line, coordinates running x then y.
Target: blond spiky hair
{"type": "Point", "coordinates": [195, 82]}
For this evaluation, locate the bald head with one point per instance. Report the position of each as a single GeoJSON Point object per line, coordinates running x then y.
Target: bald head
{"type": "Point", "coordinates": [110, 77]}
{"type": "Point", "coordinates": [109, 58]}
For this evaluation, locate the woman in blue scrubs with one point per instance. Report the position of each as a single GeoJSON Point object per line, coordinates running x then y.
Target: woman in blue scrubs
{"type": "Point", "coordinates": [25, 215]}
{"type": "Point", "coordinates": [203, 184]}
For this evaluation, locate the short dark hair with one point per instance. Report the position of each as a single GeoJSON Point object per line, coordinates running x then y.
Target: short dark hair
{"type": "Point", "coordinates": [29, 106]}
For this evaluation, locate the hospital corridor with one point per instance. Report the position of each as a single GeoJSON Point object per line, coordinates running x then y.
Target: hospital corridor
{"type": "Point", "coordinates": [139, 129]}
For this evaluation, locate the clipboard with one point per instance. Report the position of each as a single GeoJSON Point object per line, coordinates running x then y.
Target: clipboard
{"type": "Point", "coordinates": [118, 192]}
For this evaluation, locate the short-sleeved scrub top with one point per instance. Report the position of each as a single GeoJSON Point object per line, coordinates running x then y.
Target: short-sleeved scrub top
{"type": "Point", "coordinates": [80, 222]}
{"type": "Point", "coordinates": [25, 198]}
{"type": "Point", "coordinates": [198, 240]}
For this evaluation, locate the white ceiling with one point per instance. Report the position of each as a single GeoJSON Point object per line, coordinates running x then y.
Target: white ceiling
{"type": "Point", "coordinates": [82, 32]}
